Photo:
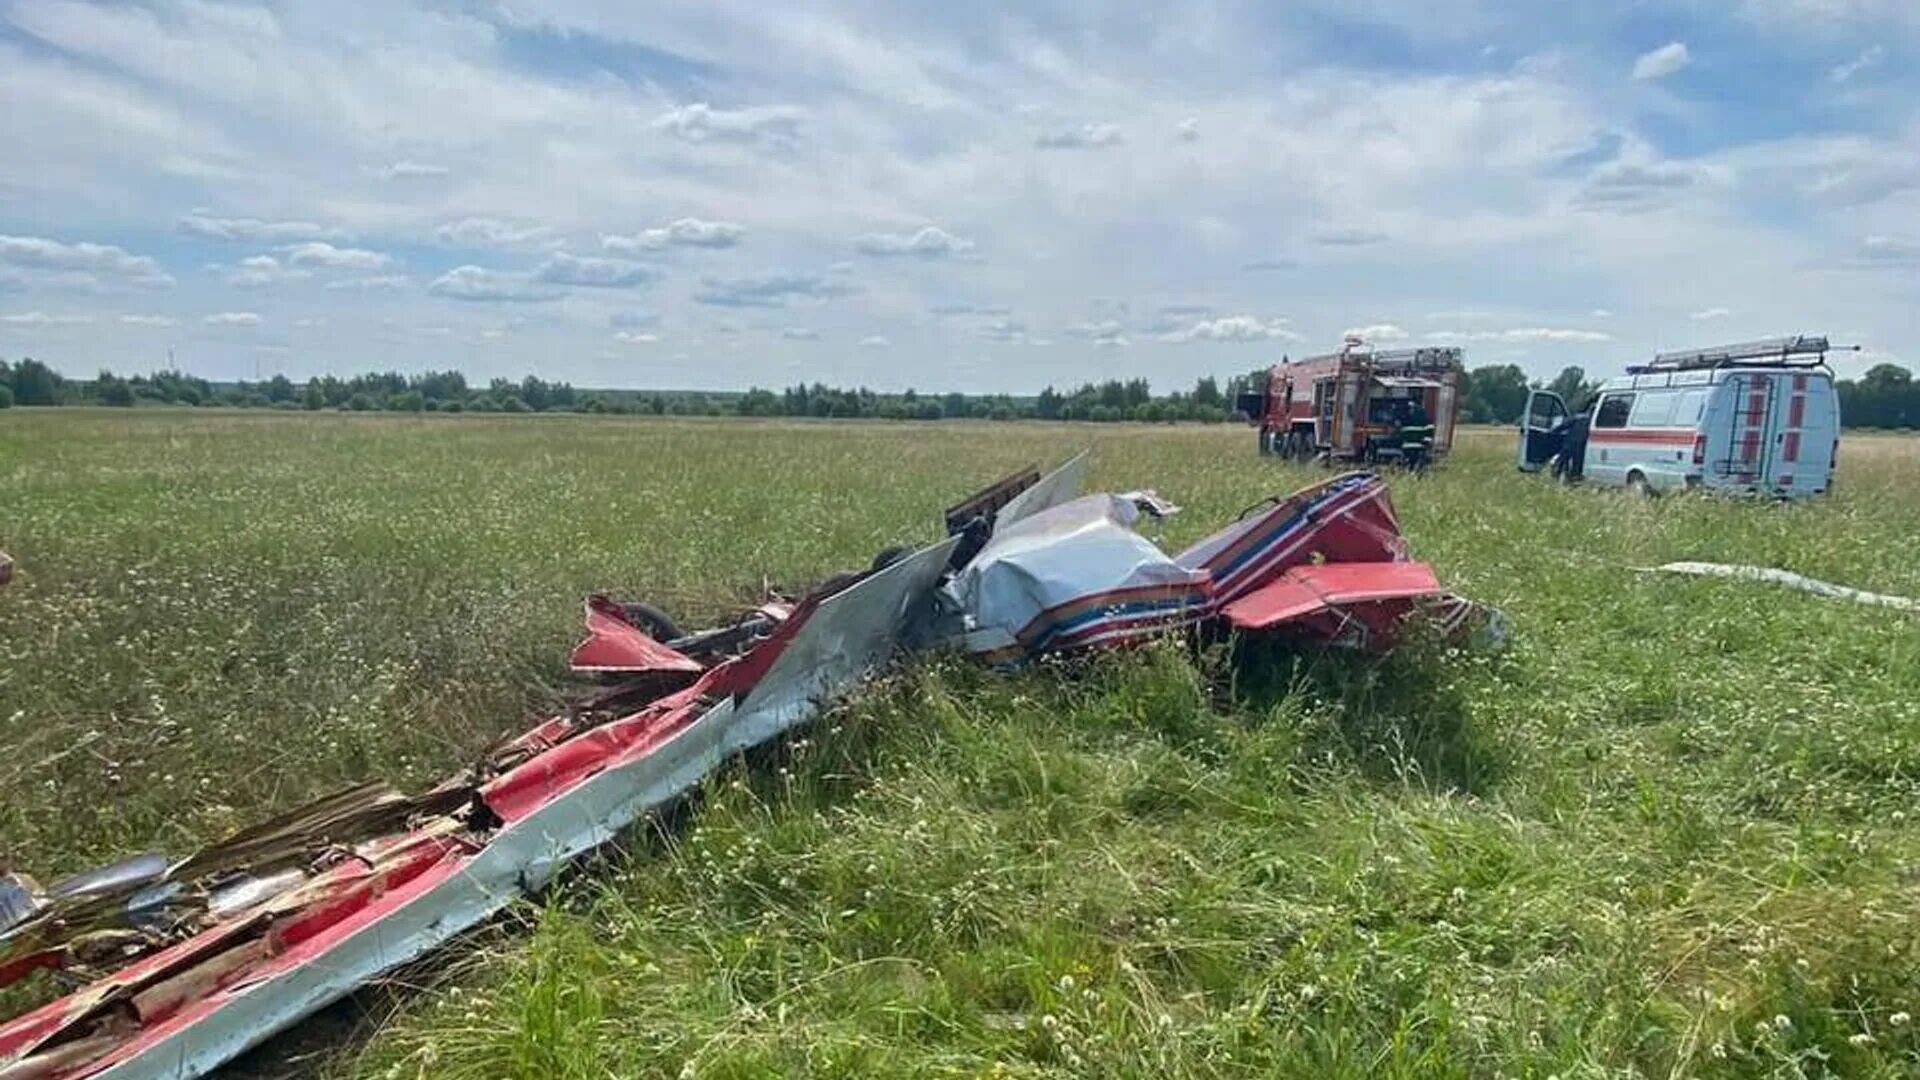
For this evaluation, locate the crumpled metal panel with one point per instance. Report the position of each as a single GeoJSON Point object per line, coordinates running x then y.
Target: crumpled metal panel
{"type": "Point", "coordinates": [1306, 590]}
{"type": "Point", "coordinates": [848, 635]}
{"type": "Point", "coordinates": [1071, 575]}
{"type": "Point", "coordinates": [1059, 486]}
{"type": "Point", "coordinates": [1346, 519]}
{"type": "Point", "coordinates": [616, 646]}
{"type": "Point", "coordinates": [520, 858]}
{"type": "Point", "coordinates": [19, 900]}
{"type": "Point", "coordinates": [122, 876]}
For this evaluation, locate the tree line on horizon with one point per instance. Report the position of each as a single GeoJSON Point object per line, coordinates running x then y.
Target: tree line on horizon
{"type": "Point", "coordinates": [1886, 396]}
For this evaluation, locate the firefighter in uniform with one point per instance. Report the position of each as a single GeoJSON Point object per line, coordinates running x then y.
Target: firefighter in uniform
{"type": "Point", "coordinates": [1416, 434]}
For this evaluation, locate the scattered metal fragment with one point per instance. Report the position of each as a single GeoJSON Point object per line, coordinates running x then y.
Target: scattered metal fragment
{"type": "Point", "coordinates": [187, 964]}
{"type": "Point", "coordinates": [1787, 578]}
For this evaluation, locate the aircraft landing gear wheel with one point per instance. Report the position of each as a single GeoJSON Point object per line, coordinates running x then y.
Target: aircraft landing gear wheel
{"type": "Point", "coordinates": [656, 623]}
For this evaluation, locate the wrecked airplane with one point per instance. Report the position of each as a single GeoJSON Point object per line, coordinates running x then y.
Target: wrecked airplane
{"type": "Point", "coordinates": [178, 966]}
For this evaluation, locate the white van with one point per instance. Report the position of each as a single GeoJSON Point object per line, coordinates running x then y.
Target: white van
{"type": "Point", "coordinates": [1760, 417]}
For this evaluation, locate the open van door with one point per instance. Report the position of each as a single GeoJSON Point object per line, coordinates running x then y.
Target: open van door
{"type": "Point", "coordinates": [1540, 422]}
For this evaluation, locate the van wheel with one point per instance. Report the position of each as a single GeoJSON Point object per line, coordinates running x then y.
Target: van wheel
{"type": "Point", "coordinates": [1637, 484]}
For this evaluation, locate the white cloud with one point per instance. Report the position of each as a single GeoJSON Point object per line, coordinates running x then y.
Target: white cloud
{"type": "Point", "coordinates": [1106, 333]}
{"type": "Point", "coordinates": [700, 122]}
{"type": "Point", "coordinates": [484, 232]}
{"type": "Point", "coordinates": [767, 290]}
{"type": "Point", "coordinates": [875, 341]}
{"type": "Point", "coordinates": [1601, 313]}
{"type": "Point", "coordinates": [1187, 130]}
{"type": "Point", "coordinates": [564, 269]}
{"type": "Point", "coordinates": [260, 272]}
{"type": "Point", "coordinates": [1870, 58]}
{"type": "Point", "coordinates": [375, 281]}
{"type": "Point", "coordinates": [1084, 137]}
{"type": "Point", "coordinates": [36, 253]}
{"type": "Point", "coordinates": [233, 318]}
{"type": "Point", "coordinates": [1523, 335]}
{"type": "Point", "coordinates": [321, 254]}
{"type": "Point", "coordinates": [252, 230]}
{"type": "Point", "coordinates": [41, 318]}
{"type": "Point", "coordinates": [1349, 237]}
{"type": "Point", "coordinates": [636, 337]}
{"type": "Point", "coordinates": [1007, 330]}
{"type": "Point", "coordinates": [800, 333]}
{"type": "Point", "coordinates": [1709, 314]}
{"type": "Point", "coordinates": [410, 170]}
{"type": "Point", "coordinates": [1233, 328]}
{"type": "Point", "coordinates": [1630, 186]}
{"type": "Point", "coordinates": [1377, 333]}
{"type": "Point", "coordinates": [146, 320]}
{"type": "Point", "coordinates": [480, 285]}
{"type": "Point", "coordinates": [1888, 251]}
{"type": "Point", "coordinates": [686, 232]}
{"type": "Point", "coordinates": [1662, 62]}
{"type": "Point", "coordinates": [930, 242]}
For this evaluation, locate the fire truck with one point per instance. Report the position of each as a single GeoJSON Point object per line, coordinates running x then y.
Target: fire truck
{"type": "Point", "coordinates": [1356, 405]}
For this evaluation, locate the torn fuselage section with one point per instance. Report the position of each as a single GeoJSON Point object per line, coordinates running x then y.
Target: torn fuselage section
{"type": "Point", "coordinates": [1327, 564]}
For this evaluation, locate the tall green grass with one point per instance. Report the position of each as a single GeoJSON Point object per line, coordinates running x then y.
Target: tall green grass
{"type": "Point", "coordinates": [1669, 832]}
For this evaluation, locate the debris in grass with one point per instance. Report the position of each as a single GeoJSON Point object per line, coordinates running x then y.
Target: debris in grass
{"type": "Point", "coordinates": [1787, 578]}
{"type": "Point", "coordinates": [188, 963]}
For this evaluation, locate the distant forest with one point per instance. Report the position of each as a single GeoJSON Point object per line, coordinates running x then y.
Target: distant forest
{"type": "Point", "coordinates": [1886, 396]}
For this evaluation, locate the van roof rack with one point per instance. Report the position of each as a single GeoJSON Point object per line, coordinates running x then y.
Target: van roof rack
{"type": "Point", "coordinates": [1798, 351]}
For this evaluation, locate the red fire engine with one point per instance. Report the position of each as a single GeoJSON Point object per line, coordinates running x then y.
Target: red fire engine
{"type": "Point", "coordinates": [1359, 404]}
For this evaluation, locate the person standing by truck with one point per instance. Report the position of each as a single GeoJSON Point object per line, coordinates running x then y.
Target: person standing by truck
{"type": "Point", "coordinates": [1569, 464]}
{"type": "Point", "coordinates": [1416, 435]}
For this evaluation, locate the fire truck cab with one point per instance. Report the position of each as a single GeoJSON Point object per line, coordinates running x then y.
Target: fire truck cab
{"type": "Point", "coordinates": [1354, 405]}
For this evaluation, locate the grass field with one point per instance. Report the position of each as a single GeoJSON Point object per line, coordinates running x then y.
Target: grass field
{"type": "Point", "coordinates": [1670, 832]}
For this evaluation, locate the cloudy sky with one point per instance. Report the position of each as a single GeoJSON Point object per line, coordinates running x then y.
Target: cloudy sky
{"type": "Point", "coordinates": [944, 196]}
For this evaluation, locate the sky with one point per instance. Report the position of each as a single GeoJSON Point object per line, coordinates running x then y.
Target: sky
{"type": "Point", "coordinates": [948, 196]}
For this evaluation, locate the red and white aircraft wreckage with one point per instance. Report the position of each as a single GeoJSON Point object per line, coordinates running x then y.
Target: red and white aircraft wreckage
{"type": "Point", "coordinates": [178, 966]}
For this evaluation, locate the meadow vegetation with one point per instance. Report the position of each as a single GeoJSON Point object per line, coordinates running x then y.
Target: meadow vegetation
{"type": "Point", "coordinates": [1670, 831]}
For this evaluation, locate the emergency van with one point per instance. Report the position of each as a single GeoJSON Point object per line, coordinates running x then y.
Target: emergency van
{"type": "Point", "coordinates": [1760, 417]}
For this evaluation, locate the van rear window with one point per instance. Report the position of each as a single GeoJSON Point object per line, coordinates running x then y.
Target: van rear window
{"type": "Point", "coordinates": [1613, 411]}
{"type": "Point", "coordinates": [1686, 411]}
{"type": "Point", "coordinates": [1652, 410]}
